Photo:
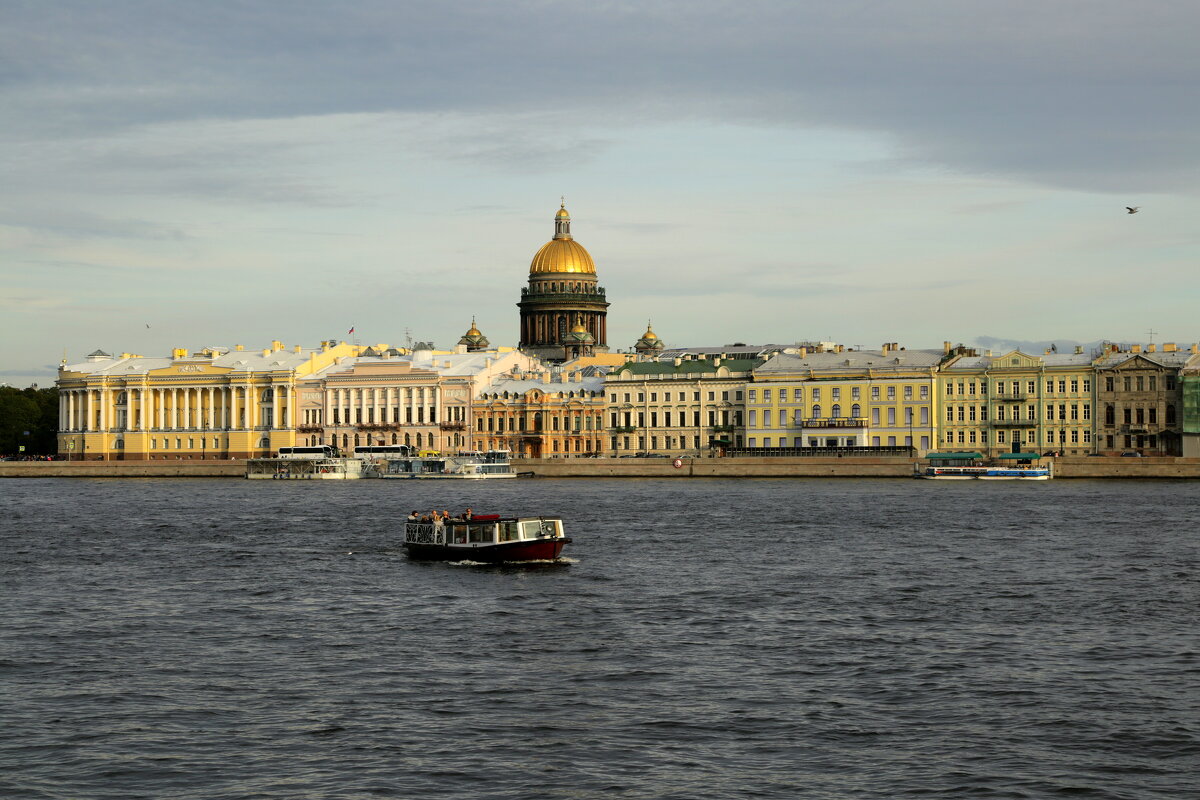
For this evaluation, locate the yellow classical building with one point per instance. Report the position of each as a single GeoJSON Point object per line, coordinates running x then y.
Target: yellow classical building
{"type": "Point", "coordinates": [1017, 402]}
{"type": "Point", "coordinates": [213, 403]}
{"type": "Point", "coordinates": [841, 398]}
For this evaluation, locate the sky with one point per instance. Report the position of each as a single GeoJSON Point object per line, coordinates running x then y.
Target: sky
{"type": "Point", "coordinates": [220, 173]}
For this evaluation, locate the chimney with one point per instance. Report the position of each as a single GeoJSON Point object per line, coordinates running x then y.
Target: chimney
{"type": "Point", "coordinates": [296, 349]}
{"type": "Point", "coordinates": [716, 361]}
{"type": "Point", "coordinates": [545, 377]}
{"type": "Point", "coordinates": [239, 347]}
{"type": "Point", "coordinates": [1137, 348]}
{"type": "Point", "coordinates": [946, 348]}
{"type": "Point", "coordinates": [840, 348]}
{"type": "Point", "coordinates": [1196, 348]}
{"type": "Point", "coordinates": [885, 348]}
{"type": "Point", "coordinates": [1168, 347]}
{"type": "Point", "coordinates": [276, 345]}
{"type": "Point", "coordinates": [1078, 349]}
{"type": "Point", "coordinates": [804, 352]}
{"type": "Point", "coordinates": [1150, 348]}
{"type": "Point", "coordinates": [678, 361]}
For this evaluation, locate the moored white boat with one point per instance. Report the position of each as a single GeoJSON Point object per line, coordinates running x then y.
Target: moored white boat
{"type": "Point", "coordinates": [471, 466]}
{"type": "Point", "coordinates": [969, 466]}
{"type": "Point", "coordinates": [305, 464]}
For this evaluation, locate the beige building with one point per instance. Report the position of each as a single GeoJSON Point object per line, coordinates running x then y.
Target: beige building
{"type": "Point", "coordinates": [1139, 395]}
{"type": "Point", "coordinates": [687, 405]}
{"type": "Point", "coordinates": [388, 397]}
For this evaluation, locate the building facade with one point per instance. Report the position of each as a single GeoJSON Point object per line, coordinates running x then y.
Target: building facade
{"type": "Point", "coordinates": [1018, 402]}
{"type": "Point", "coordinates": [545, 413]}
{"type": "Point", "coordinates": [212, 403]}
{"type": "Point", "coordinates": [844, 398]}
{"type": "Point", "coordinates": [563, 310]}
{"type": "Point", "coordinates": [1139, 395]}
{"type": "Point", "coordinates": [677, 407]}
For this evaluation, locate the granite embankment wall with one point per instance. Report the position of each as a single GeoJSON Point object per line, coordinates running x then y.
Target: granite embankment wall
{"type": "Point", "coordinates": [633, 468]}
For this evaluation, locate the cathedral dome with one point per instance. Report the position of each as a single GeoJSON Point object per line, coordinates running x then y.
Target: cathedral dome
{"type": "Point", "coordinates": [562, 255]}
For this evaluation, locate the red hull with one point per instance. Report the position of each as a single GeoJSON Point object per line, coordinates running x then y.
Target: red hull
{"type": "Point", "coordinates": [540, 550]}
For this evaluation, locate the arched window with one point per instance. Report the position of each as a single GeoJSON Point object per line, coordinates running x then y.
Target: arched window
{"type": "Point", "coordinates": [407, 440]}
{"type": "Point", "coordinates": [264, 442]}
{"type": "Point", "coordinates": [268, 395]}
{"type": "Point", "coordinates": [418, 441]}
{"type": "Point", "coordinates": [1110, 414]}
{"type": "Point", "coordinates": [816, 412]}
{"type": "Point", "coordinates": [856, 411]}
{"type": "Point", "coordinates": [122, 399]}
{"type": "Point", "coordinates": [395, 439]}
{"type": "Point", "coordinates": [345, 441]}
{"type": "Point", "coordinates": [836, 412]}
{"type": "Point", "coordinates": [1170, 414]}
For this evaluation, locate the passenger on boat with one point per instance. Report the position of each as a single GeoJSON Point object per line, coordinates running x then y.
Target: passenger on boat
{"type": "Point", "coordinates": [468, 514]}
{"type": "Point", "coordinates": [414, 517]}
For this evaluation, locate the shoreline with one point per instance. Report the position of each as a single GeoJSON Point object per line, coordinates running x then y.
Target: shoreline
{"type": "Point", "coordinates": [781, 467]}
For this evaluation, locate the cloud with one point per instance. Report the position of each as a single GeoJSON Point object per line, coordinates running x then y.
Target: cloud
{"type": "Point", "coordinates": [1095, 95]}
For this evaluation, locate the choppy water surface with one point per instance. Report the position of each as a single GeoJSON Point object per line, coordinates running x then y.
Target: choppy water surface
{"type": "Point", "coordinates": [215, 639]}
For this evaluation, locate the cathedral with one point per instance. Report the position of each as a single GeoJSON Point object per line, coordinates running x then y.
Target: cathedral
{"type": "Point", "coordinates": [563, 310]}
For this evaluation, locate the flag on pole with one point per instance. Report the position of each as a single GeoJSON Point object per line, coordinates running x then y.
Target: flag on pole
{"type": "Point", "coordinates": [350, 331]}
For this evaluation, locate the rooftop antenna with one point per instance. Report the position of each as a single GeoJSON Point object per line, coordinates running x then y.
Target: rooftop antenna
{"type": "Point", "coordinates": [408, 337]}
{"type": "Point", "coordinates": [1151, 332]}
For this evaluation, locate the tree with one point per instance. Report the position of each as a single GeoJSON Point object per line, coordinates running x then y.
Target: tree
{"type": "Point", "coordinates": [28, 417]}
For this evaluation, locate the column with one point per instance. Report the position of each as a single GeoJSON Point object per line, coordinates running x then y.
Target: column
{"type": "Point", "coordinates": [186, 420]}
{"type": "Point", "coordinates": [275, 390]}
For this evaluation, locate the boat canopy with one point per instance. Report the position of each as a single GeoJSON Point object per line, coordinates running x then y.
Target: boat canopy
{"type": "Point", "coordinates": [1019, 456]}
{"type": "Point", "coordinates": [954, 456]}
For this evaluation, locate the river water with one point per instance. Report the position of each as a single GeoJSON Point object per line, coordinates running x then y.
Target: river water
{"type": "Point", "coordinates": [827, 638]}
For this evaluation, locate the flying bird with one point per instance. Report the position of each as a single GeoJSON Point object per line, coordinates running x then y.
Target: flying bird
{"type": "Point", "coordinates": [1132, 209]}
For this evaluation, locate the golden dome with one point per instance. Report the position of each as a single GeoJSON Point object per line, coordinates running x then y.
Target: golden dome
{"type": "Point", "coordinates": [562, 214]}
{"type": "Point", "coordinates": [562, 255]}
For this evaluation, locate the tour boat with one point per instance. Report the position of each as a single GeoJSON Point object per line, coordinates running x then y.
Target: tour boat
{"type": "Point", "coordinates": [472, 466]}
{"type": "Point", "coordinates": [988, 473]}
{"type": "Point", "coordinates": [490, 539]}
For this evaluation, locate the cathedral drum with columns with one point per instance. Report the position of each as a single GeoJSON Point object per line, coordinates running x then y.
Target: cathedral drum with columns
{"type": "Point", "coordinates": [563, 310]}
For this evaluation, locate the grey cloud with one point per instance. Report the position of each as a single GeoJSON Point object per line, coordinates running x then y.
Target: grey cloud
{"type": "Point", "coordinates": [1093, 95]}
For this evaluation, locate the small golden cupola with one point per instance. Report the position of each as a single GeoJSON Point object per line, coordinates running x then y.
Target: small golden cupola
{"type": "Point", "coordinates": [562, 254]}
{"type": "Point", "coordinates": [473, 340]}
{"type": "Point", "coordinates": [649, 344]}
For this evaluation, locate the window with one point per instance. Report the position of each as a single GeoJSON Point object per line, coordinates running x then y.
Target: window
{"type": "Point", "coordinates": [972, 437]}
{"type": "Point", "coordinates": [836, 411]}
{"type": "Point", "coordinates": [891, 416]}
{"type": "Point", "coordinates": [856, 411]}
{"type": "Point", "coordinates": [766, 395]}
{"type": "Point", "coordinates": [949, 414]}
{"type": "Point", "coordinates": [783, 417]}
{"type": "Point", "coordinates": [1108, 387]}
{"type": "Point", "coordinates": [1170, 413]}
{"type": "Point", "coordinates": [949, 391]}
{"type": "Point", "coordinates": [711, 395]}
{"type": "Point", "coordinates": [1062, 386]}
{"type": "Point", "coordinates": [875, 415]}
{"type": "Point", "coordinates": [924, 393]}
{"type": "Point", "coordinates": [971, 387]}
{"type": "Point", "coordinates": [875, 391]}
{"type": "Point", "coordinates": [972, 413]}
{"type": "Point", "coordinates": [654, 397]}
{"type": "Point", "coordinates": [1074, 385]}
{"type": "Point", "coordinates": [1016, 387]}
{"type": "Point", "coordinates": [1170, 383]}
{"type": "Point", "coordinates": [798, 395]}
{"type": "Point", "coordinates": [1000, 437]}
{"type": "Point", "coordinates": [891, 393]}
{"type": "Point", "coordinates": [1153, 415]}
{"type": "Point", "coordinates": [753, 419]}
{"type": "Point", "coordinates": [1032, 387]}
{"type": "Point", "coordinates": [999, 387]}
{"type": "Point", "coordinates": [855, 393]}
{"type": "Point", "coordinates": [816, 394]}
{"type": "Point", "coordinates": [908, 393]}
{"type": "Point", "coordinates": [1087, 411]}
{"type": "Point", "coordinates": [641, 397]}
{"type": "Point", "coordinates": [1128, 416]}
{"type": "Point", "coordinates": [1000, 412]}
{"type": "Point", "coordinates": [837, 393]}
{"type": "Point", "coordinates": [1153, 381]}
{"type": "Point", "coordinates": [1140, 383]}
{"type": "Point", "coordinates": [1074, 411]}
{"type": "Point", "coordinates": [816, 412]}
{"type": "Point", "coordinates": [1087, 384]}
{"type": "Point", "coordinates": [753, 395]}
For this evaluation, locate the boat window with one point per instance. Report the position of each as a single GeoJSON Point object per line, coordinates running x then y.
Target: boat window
{"type": "Point", "coordinates": [509, 531]}
{"type": "Point", "coordinates": [529, 529]}
{"type": "Point", "coordinates": [481, 534]}
{"type": "Point", "coordinates": [458, 534]}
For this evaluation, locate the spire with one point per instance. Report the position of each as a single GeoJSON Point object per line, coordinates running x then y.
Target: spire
{"type": "Point", "coordinates": [562, 221]}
